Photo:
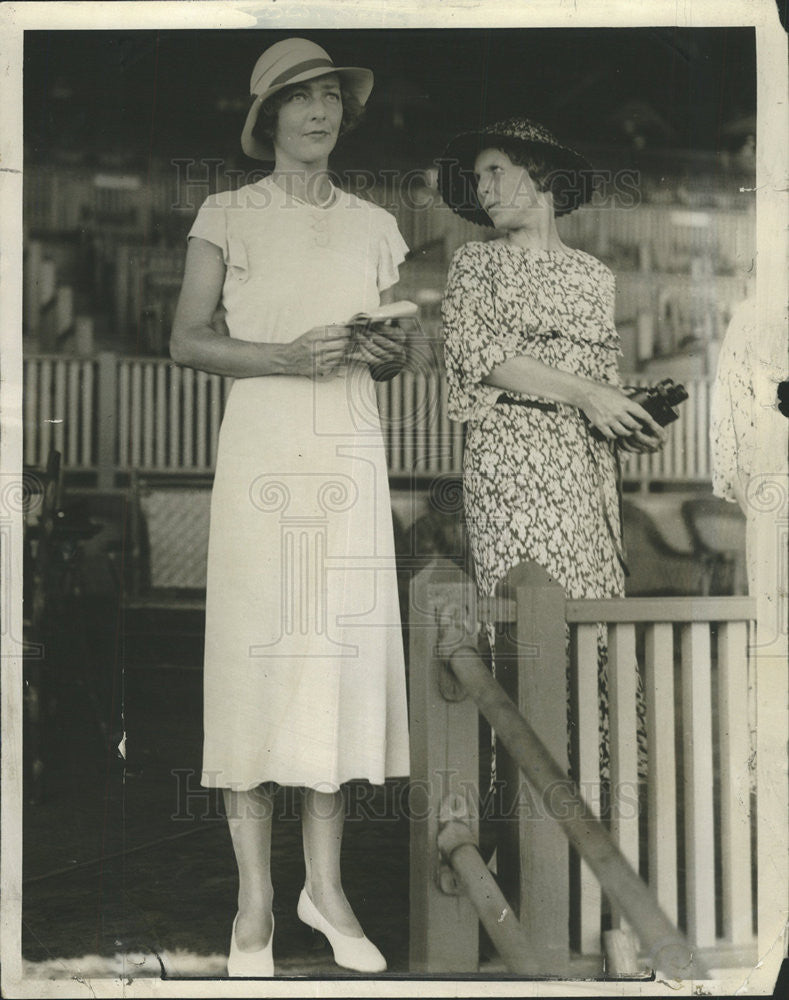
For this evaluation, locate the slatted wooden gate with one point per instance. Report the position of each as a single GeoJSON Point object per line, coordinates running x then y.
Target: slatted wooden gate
{"type": "Point", "coordinates": [682, 817]}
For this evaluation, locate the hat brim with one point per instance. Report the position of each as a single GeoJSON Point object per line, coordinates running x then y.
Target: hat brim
{"type": "Point", "coordinates": [456, 182]}
{"type": "Point", "coordinates": [359, 81]}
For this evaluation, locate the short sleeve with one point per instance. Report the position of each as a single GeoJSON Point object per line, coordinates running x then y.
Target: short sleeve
{"type": "Point", "coordinates": [211, 224]}
{"type": "Point", "coordinates": [392, 249]}
{"type": "Point", "coordinates": [474, 342]}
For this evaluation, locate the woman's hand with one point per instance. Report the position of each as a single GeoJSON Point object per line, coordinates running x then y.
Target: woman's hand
{"type": "Point", "coordinates": [641, 442]}
{"type": "Point", "coordinates": [616, 415]}
{"type": "Point", "coordinates": [319, 352]}
{"type": "Point", "coordinates": [382, 347]}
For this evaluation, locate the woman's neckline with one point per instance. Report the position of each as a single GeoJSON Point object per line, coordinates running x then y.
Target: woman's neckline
{"type": "Point", "coordinates": [293, 200]}
{"type": "Point", "coordinates": [568, 252]}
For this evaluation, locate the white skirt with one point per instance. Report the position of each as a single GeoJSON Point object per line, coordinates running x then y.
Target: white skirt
{"type": "Point", "coordinates": [304, 678]}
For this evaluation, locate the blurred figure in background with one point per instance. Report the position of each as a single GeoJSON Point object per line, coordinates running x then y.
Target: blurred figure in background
{"type": "Point", "coordinates": [735, 417]}
{"type": "Point", "coordinates": [732, 409]}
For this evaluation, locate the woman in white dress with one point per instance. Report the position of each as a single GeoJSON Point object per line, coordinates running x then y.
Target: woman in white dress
{"type": "Point", "coordinates": [304, 673]}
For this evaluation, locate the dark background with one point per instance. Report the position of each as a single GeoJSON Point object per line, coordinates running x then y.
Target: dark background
{"type": "Point", "coordinates": [138, 96]}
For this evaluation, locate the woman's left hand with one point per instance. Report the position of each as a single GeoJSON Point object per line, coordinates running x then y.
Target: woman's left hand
{"type": "Point", "coordinates": [380, 345]}
{"type": "Point", "coordinates": [642, 442]}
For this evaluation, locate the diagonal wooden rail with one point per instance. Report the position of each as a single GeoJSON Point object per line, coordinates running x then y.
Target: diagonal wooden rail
{"type": "Point", "coordinates": [457, 843]}
{"type": "Point", "coordinates": [666, 948]}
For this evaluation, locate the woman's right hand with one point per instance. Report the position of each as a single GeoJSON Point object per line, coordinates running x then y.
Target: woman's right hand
{"type": "Point", "coordinates": [615, 414]}
{"type": "Point", "coordinates": [319, 352]}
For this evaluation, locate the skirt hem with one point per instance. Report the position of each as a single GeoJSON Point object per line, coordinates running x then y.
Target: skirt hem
{"type": "Point", "coordinates": [320, 786]}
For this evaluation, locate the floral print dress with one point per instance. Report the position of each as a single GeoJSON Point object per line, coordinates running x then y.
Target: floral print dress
{"type": "Point", "coordinates": [537, 484]}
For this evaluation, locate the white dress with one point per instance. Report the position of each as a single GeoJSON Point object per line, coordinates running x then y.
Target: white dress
{"type": "Point", "coordinates": [304, 678]}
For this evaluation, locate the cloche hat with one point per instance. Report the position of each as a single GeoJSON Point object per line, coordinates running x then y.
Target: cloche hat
{"type": "Point", "coordinates": [290, 61]}
{"type": "Point", "coordinates": [455, 179]}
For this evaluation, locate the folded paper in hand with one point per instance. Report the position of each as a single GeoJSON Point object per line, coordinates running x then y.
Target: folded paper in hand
{"type": "Point", "coordinates": [395, 310]}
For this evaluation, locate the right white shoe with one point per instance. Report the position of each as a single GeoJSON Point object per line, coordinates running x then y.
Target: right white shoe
{"type": "Point", "coordinates": [251, 964]}
{"type": "Point", "coordinates": [357, 953]}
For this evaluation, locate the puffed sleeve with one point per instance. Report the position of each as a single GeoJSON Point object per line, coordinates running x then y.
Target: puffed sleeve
{"type": "Point", "coordinates": [211, 224]}
{"type": "Point", "coordinates": [475, 341]}
{"type": "Point", "coordinates": [214, 223]}
{"type": "Point", "coordinates": [392, 249]}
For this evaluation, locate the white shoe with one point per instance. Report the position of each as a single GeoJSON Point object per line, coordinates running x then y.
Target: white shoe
{"type": "Point", "coordinates": [251, 964]}
{"type": "Point", "coordinates": [357, 953]}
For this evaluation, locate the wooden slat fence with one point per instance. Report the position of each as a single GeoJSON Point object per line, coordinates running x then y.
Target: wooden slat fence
{"type": "Point", "coordinates": [60, 407]}
{"type": "Point", "coordinates": [111, 414]}
{"type": "Point", "coordinates": [682, 808]}
{"type": "Point", "coordinates": [693, 654]}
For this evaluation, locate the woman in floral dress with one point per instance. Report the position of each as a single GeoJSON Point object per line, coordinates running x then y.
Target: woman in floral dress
{"type": "Point", "coordinates": [531, 357]}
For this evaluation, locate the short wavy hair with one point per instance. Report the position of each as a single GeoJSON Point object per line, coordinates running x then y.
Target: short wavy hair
{"type": "Point", "coordinates": [266, 123]}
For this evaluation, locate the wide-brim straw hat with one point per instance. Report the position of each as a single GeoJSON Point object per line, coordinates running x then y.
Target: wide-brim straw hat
{"type": "Point", "coordinates": [294, 60]}
{"type": "Point", "coordinates": [455, 167]}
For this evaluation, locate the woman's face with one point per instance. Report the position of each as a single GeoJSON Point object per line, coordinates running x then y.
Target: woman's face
{"type": "Point", "coordinates": [506, 191]}
{"type": "Point", "coordinates": [308, 122]}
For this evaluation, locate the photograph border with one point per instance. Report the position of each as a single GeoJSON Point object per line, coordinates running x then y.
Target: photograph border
{"type": "Point", "coordinates": [769, 527]}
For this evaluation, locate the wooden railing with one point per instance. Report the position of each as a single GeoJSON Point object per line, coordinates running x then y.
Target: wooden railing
{"type": "Point", "coordinates": [685, 824]}
{"type": "Point", "coordinates": [60, 405]}
{"type": "Point", "coordinates": [109, 415]}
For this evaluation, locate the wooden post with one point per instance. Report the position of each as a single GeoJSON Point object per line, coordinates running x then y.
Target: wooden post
{"type": "Point", "coordinates": [734, 781]}
{"type": "Point", "coordinates": [699, 810]}
{"type": "Point", "coordinates": [107, 417]}
{"type": "Point", "coordinates": [531, 665]}
{"type": "Point", "coordinates": [623, 743]}
{"type": "Point", "coordinates": [662, 781]}
{"type": "Point", "coordinates": [621, 955]}
{"type": "Point", "coordinates": [444, 927]}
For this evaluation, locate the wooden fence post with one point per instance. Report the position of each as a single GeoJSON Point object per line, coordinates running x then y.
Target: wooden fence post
{"type": "Point", "coordinates": [107, 418]}
{"type": "Point", "coordinates": [444, 927]}
{"type": "Point", "coordinates": [531, 666]}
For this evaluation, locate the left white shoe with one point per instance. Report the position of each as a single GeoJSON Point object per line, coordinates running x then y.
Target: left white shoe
{"type": "Point", "coordinates": [251, 964]}
{"type": "Point", "coordinates": [357, 953]}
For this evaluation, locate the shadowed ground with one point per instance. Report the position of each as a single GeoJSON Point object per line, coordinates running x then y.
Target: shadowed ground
{"type": "Point", "coordinates": [137, 859]}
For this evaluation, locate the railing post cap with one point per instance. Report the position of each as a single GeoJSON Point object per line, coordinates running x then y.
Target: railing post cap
{"type": "Point", "coordinates": [454, 807]}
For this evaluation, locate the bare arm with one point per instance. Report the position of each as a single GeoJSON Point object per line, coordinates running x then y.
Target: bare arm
{"type": "Point", "coordinates": [608, 408]}
{"type": "Point", "coordinates": [197, 343]}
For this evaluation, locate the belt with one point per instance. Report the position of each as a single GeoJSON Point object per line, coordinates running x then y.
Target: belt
{"type": "Point", "coordinates": [534, 404]}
